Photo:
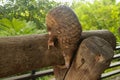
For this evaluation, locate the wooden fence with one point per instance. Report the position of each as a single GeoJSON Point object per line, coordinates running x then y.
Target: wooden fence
{"type": "Point", "coordinates": [25, 53]}
{"type": "Point", "coordinates": [115, 63]}
{"type": "Point", "coordinates": [35, 74]}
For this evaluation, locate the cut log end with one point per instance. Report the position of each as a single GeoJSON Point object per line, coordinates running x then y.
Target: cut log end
{"type": "Point", "coordinates": [93, 57]}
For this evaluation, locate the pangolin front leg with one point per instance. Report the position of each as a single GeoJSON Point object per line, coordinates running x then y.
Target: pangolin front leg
{"type": "Point", "coordinates": [50, 40]}
{"type": "Point", "coordinates": [67, 61]}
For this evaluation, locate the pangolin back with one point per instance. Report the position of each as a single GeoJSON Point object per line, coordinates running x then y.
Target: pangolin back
{"type": "Point", "coordinates": [64, 25]}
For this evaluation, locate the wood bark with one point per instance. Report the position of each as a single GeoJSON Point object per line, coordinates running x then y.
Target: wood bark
{"type": "Point", "coordinates": [25, 53]}
{"type": "Point", "coordinates": [93, 57]}
{"type": "Point", "coordinates": [104, 34]}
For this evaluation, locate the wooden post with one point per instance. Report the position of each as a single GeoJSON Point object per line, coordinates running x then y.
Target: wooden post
{"type": "Point", "coordinates": [104, 34]}
{"type": "Point", "coordinates": [93, 57]}
{"type": "Point", "coordinates": [25, 53]}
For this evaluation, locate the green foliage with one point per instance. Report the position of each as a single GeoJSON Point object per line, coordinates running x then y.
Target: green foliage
{"type": "Point", "coordinates": [19, 17]}
{"type": "Point", "coordinates": [29, 10]}
{"type": "Point", "coordinates": [16, 27]}
{"type": "Point", "coordinates": [101, 14]}
{"type": "Point", "coordinates": [45, 77]}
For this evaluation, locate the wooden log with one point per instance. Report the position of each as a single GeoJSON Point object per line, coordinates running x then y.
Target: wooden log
{"type": "Point", "coordinates": [93, 57]}
{"type": "Point", "coordinates": [105, 34]}
{"type": "Point", "coordinates": [25, 53]}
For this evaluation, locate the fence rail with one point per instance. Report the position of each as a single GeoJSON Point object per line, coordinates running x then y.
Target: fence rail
{"type": "Point", "coordinates": [113, 65]}
{"type": "Point", "coordinates": [35, 75]}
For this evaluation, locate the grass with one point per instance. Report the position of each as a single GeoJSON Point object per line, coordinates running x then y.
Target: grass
{"type": "Point", "coordinates": [46, 77]}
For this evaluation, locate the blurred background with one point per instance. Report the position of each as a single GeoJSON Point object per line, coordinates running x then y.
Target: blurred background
{"type": "Point", "coordinates": [21, 17]}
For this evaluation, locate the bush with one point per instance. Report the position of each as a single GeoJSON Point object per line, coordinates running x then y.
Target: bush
{"type": "Point", "coordinates": [16, 27]}
{"type": "Point", "coordinates": [101, 14]}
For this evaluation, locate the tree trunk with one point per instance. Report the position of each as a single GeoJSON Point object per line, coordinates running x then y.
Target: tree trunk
{"type": "Point", "coordinates": [25, 53]}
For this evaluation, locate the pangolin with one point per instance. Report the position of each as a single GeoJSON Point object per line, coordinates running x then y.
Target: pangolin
{"type": "Point", "coordinates": [63, 26]}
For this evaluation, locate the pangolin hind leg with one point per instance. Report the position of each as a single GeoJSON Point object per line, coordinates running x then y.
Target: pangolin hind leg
{"type": "Point", "coordinates": [67, 59]}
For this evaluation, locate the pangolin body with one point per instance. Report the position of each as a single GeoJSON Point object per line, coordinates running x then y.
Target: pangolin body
{"type": "Point", "coordinates": [63, 26]}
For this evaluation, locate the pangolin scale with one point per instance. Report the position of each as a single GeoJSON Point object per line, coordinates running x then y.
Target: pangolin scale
{"type": "Point", "coordinates": [63, 26]}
